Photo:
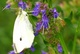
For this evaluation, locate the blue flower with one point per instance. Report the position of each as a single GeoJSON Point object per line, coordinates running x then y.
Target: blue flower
{"type": "Point", "coordinates": [55, 13]}
{"type": "Point", "coordinates": [36, 9]}
{"type": "Point", "coordinates": [45, 19]}
{"type": "Point", "coordinates": [43, 52]}
{"type": "Point", "coordinates": [22, 5]}
{"type": "Point", "coordinates": [59, 47]}
{"type": "Point", "coordinates": [32, 48]}
{"type": "Point", "coordinates": [12, 52]}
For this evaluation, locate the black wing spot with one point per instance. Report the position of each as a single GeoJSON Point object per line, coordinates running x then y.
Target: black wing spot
{"type": "Point", "coordinates": [20, 39]}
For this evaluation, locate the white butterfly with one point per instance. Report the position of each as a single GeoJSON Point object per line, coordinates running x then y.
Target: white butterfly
{"type": "Point", "coordinates": [23, 35]}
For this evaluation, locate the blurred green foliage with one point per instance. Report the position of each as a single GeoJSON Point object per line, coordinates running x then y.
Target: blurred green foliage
{"type": "Point", "coordinates": [7, 18]}
{"type": "Point", "coordinates": [69, 10]}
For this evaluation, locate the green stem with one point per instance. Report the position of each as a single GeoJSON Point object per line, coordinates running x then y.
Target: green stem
{"type": "Point", "coordinates": [75, 38]}
{"type": "Point", "coordinates": [49, 3]}
{"type": "Point", "coordinates": [63, 44]}
{"type": "Point", "coordinates": [55, 48]}
{"type": "Point", "coordinates": [74, 44]}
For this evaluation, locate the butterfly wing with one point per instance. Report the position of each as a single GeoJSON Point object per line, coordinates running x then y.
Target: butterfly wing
{"type": "Point", "coordinates": [23, 35]}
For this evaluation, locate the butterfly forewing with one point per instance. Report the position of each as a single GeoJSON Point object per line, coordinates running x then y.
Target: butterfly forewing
{"type": "Point", "coordinates": [23, 35]}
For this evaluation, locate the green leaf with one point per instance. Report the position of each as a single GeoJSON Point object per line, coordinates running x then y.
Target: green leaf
{"type": "Point", "coordinates": [63, 44]}
{"type": "Point", "coordinates": [40, 42]}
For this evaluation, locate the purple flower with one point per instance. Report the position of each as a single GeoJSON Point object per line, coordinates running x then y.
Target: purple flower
{"type": "Point", "coordinates": [59, 47]}
{"type": "Point", "coordinates": [36, 33]}
{"type": "Point", "coordinates": [7, 6]}
{"type": "Point", "coordinates": [43, 52]}
{"type": "Point", "coordinates": [32, 48]}
{"type": "Point", "coordinates": [38, 26]}
{"type": "Point", "coordinates": [43, 11]}
{"type": "Point", "coordinates": [22, 5]}
{"type": "Point", "coordinates": [55, 13]}
{"type": "Point", "coordinates": [45, 19]}
{"type": "Point", "coordinates": [36, 9]}
{"type": "Point", "coordinates": [12, 52]}
{"type": "Point", "coordinates": [43, 23]}
{"type": "Point", "coordinates": [21, 53]}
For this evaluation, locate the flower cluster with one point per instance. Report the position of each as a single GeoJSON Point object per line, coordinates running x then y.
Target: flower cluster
{"type": "Point", "coordinates": [44, 11]}
{"type": "Point", "coordinates": [44, 23]}
{"type": "Point", "coordinates": [21, 4]}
